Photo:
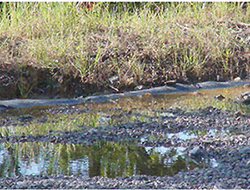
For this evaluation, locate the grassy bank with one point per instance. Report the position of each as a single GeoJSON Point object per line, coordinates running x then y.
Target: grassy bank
{"type": "Point", "coordinates": [69, 47]}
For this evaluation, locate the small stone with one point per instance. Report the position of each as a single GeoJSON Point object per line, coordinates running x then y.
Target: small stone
{"type": "Point", "coordinates": [113, 79]}
{"type": "Point", "coordinates": [245, 150]}
{"type": "Point", "coordinates": [237, 79]}
{"type": "Point", "coordinates": [139, 87]}
{"type": "Point", "coordinates": [4, 107]}
{"type": "Point", "coordinates": [197, 93]}
{"type": "Point", "coordinates": [170, 83]}
{"type": "Point", "coordinates": [26, 118]}
{"type": "Point", "coordinates": [248, 163]}
{"type": "Point", "coordinates": [244, 98]}
{"type": "Point", "coordinates": [147, 94]}
{"type": "Point", "coordinates": [238, 113]}
{"type": "Point", "coordinates": [246, 85]}
{"type": "Point", "coordinates": [220, 97]}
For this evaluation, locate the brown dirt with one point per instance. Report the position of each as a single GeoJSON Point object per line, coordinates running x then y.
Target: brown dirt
{"type": "Point", "coordinates": [18, 81]}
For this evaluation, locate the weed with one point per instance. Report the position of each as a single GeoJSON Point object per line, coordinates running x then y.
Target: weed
{"type": "Point", "coordinates": [141, 43]}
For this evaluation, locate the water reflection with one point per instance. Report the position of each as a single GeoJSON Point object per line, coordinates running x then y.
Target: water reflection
{"type": "Point", "coordinates": [109, 159]}
{"type": "Point", "coordinates": [183, 135]}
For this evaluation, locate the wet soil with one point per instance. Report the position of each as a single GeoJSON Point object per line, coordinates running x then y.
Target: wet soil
{"type": "Point", "coordinates": [18, 81]}
{"type": "Point", "coordinates": [231, 150]}
{"type": "Point", "coordinates": [173, 88]}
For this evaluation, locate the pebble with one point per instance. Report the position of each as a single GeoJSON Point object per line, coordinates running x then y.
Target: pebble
{"type": "Point", "coordinates": [220, 97]}
{"type": "Point", "coordinates": [229, 151]}
{"type": "Point", "coordinates": [244, 98]}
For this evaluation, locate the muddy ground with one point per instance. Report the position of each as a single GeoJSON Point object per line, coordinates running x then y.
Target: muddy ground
{"type": "Point", "coordinates": [231, 150]}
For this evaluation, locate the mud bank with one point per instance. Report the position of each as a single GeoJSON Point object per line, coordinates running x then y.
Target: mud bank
{"type": "Point", "coordinates": [177, 88]}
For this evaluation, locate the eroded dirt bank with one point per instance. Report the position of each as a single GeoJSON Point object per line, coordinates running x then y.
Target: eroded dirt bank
{"type": "Point", "coordinates": [32, 82]}
{"type": "Point", "coordinates": [230, 150]}
{"type": "Point", "coordinates": [174, 88]}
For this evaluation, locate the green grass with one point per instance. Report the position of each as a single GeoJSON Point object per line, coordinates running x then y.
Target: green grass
{"type": "Point", "coordinates": [147, 43]}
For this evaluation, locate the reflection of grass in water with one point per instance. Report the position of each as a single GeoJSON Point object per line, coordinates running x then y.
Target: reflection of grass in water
{"type": "Point", "coordinates": [203, 102]}
{"type": "Point", "coordinates": [52, 158]}
{"type": "Point", "coordinates": [124, 118]}
{"type": "Point", "coordinates": [108, 159]}
{"type": "Point", "coordinates": [187, 101]}
{"type": "Point", "coordinates": [124, 110]}
{"type": "Point", "coordinates": [69, 122]}
{"type": "Point", "coordinates": [62, 122]}
{"type": "Point", "coordinates": [206, 99]}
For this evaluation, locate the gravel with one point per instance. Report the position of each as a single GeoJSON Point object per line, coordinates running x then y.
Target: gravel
{"type": "Point", "coordinates": [226, 140]}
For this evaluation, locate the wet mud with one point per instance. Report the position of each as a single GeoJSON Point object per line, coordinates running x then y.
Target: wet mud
{"type": "Point", "coordinates": [208, 148]}
{"type": "Point", "coordinates": [177, 88]}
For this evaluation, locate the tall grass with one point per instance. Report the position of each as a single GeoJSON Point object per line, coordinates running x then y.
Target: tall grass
{"type": "Point", "coordinates": [141, 43]}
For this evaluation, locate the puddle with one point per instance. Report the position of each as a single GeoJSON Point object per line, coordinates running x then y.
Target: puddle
{"type": "Point", "coordinates": [182, 135]}
{"type": "Point", "coordinates": [100, 112]}
{"type": "Point", "coordinates": [187, 135]}
{"type": "Point", "coordinates": [206, 98]}
{"type": "Point", "coordinates": [218, 133]}
{"type": "Point", "coordinates": [109, 159]}
{"type": "Point", "coordinates": [101, 159]}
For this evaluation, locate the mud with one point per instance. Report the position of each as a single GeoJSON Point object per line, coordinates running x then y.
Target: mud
{"type": "Point", "coordinates": [230, 150]}
{"type": "Point", "coordinates": [177, 88]}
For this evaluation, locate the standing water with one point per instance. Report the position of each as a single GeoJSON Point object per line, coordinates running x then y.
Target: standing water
{"type": "Point", "coordinates": [162, 148]}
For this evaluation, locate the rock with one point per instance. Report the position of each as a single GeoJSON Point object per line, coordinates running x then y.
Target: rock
{"type": "Point", "coordinates": [246, 86]}
{"type": "Point", "coordinates": [245, 150]}
{"type": "Point", "coordinates": [237, 79]}
{"type": "Point", "coordinates": [147, 94]}
{"type": "Point", "coordinates": [238, 113]}
{"type": "Point", "coordinates": [113, 79]}
{"type": "Point", "coordinates": [170, 83]}
{"type": "Point", "coordinates": [139, 87]}
{"type": "Point", "coordinates": [244, 98]}
{"type": "Point", "coordinates": [198, 93]}
{"type": "Point", "coordinates": [25, 118]}
{"type": "Point", "coordinates": [3, 107]}
{"type": "Point", "coordinates": [220, 97]}
{"type": "Point", "coordinates": [198, 154]}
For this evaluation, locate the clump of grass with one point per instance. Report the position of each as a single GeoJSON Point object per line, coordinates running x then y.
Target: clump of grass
{"type": "Point", "coordinates": [63, 122]}
{"type": "Point", "coordinates": [141, 43]}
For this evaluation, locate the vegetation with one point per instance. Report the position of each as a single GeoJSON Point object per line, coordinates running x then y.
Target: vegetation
{"type": "Point", "coordinates": [107, 159]}
{"type": "Point", "coordinates": [62, 46]}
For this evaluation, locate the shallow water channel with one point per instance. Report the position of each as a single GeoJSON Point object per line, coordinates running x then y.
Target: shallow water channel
{"type": "Point", "coordinates": [108, 158]}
